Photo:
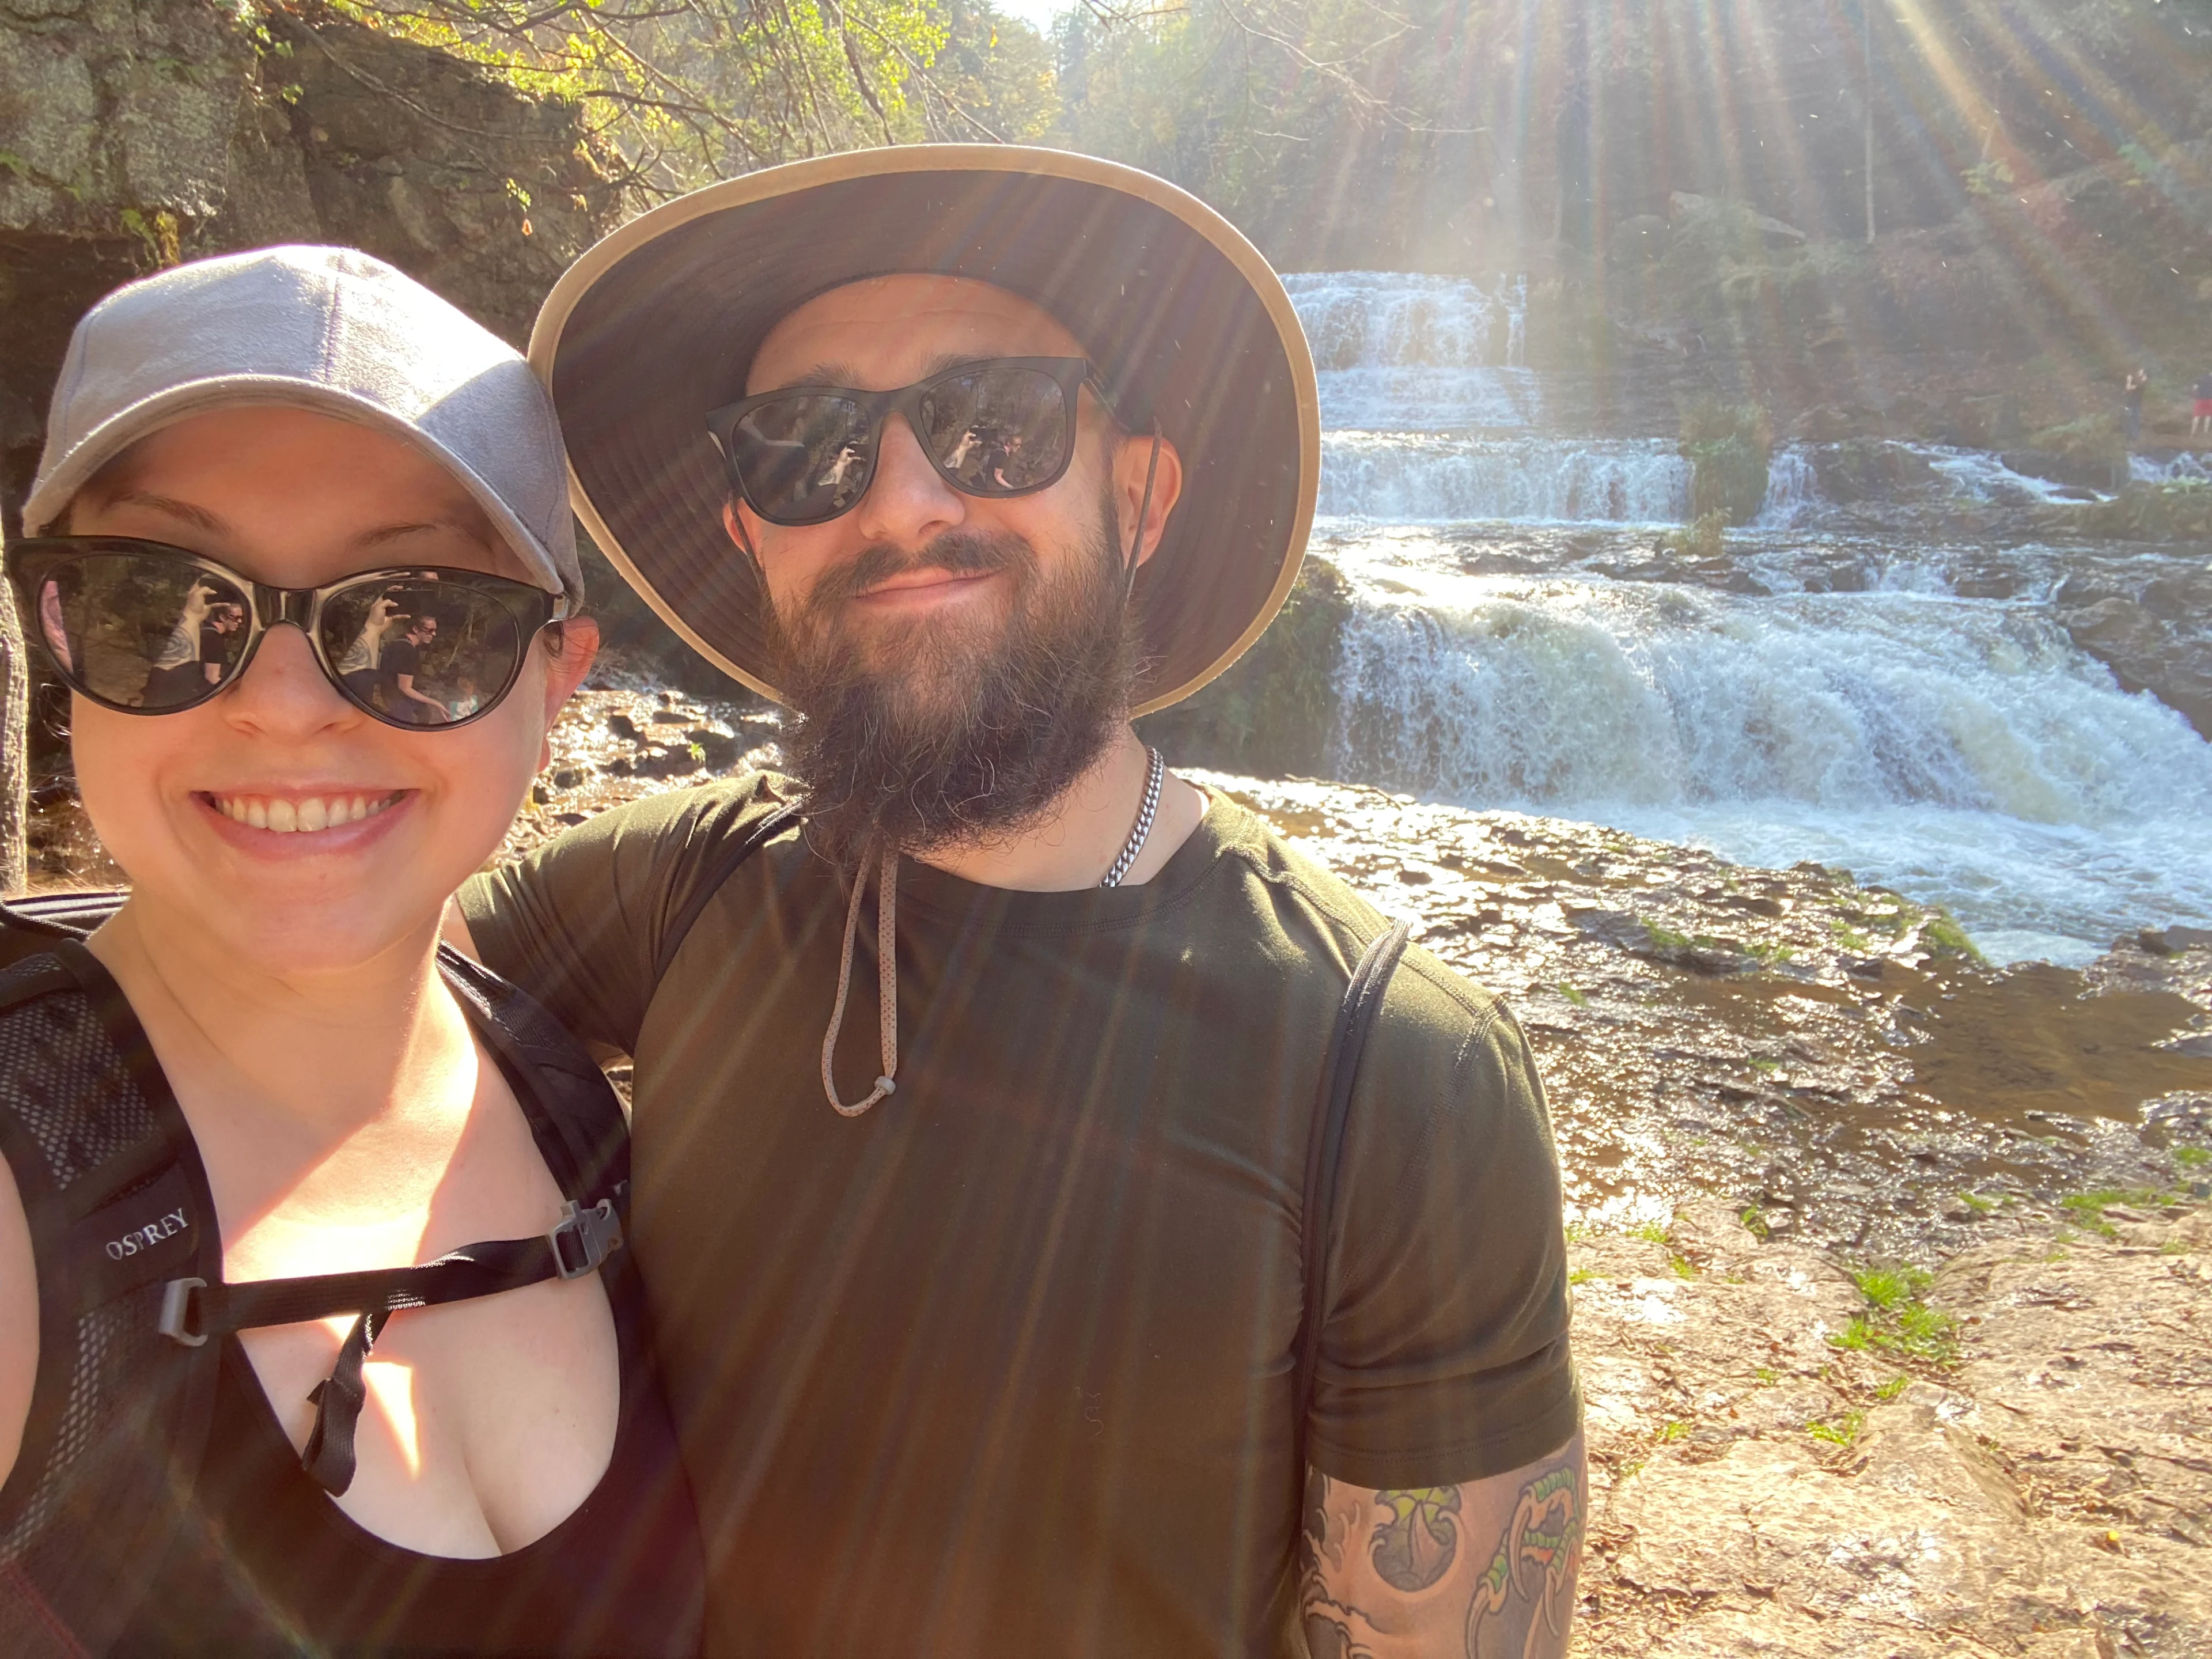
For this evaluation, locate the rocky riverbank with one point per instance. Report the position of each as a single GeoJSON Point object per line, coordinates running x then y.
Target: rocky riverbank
{"type": "Point", "coordinates": [2012, 1456]}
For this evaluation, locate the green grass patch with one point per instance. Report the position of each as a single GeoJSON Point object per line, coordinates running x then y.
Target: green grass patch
{"type": "Point", "coordinates": [2191, 1157]}
{"type": "Point", "coordinates": [1651, 1232]}
{"type": "Point", "coordinates": [1683, 1266]}
{"type": "Point", "coordinates": [1754, 1221]}
{"type": "Point", "coordinates": [1581, 1276]}
{"type": "Point", "coordinates": [1671, 1429]}
{"type": "Point", "coordinates": [1896, 1386]}
{"type": "Point", "coordinates": [1976, 1203]}
{"type": "Point", "coordinates": [1766, 1377]}
{"type": "Point", "coordinates": [2088, 1208]}
{"type": "Point", "coordinates": [1849, 936]}
{"type": "Point", "coordinates": [1889, 1288]}
{"type": "Point", "coordinates": [1843, 1429]}
{"type": "Point", "coordinates": [1571, 995]}
{"type": "Point", "coordinates": [1899, 1322]}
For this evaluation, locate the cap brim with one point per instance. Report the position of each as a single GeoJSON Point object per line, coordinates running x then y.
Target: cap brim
{"type": "Point", "coordinates": [149, 415]}
{"type": "Point", "coordinates": [1186, 322]}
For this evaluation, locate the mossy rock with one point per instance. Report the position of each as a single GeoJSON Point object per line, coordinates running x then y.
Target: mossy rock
{"type": "Point", "coordinates": [1729, 447]}
{"type": "Point", "coordinates": [1274, 711]}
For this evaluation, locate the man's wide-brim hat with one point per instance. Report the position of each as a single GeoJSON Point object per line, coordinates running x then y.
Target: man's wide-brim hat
{"type": "Point", "coordinates": [1182, 319]}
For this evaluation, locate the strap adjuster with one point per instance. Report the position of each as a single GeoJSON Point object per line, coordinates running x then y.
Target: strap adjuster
{"type": "Point", "coordinates": [583, 1238]}
{"type": "Point", "coordinates": [177, 1310]}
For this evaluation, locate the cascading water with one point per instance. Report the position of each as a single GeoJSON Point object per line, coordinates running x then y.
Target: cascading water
{"type": "Point", "coordinates": [1793, 488]}
{"type": "Point", "coordinates": [1930, 737]}
{"type": "Point", "coordinates": [1406, 479]}
{"type": "Point", "coordinates": [1397, 353]}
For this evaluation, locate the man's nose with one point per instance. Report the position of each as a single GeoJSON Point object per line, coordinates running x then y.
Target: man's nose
{"type": "Point", "coordinates": [283, 692]}
{"type": "Point", "coordinates": [907, 504]}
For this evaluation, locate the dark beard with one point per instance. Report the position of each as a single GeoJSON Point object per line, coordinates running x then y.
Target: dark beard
{"type": "Point", "coordinates": [933, 745]}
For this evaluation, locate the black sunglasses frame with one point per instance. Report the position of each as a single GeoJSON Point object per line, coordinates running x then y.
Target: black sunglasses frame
{"type": "Point", "coordinates": [1070, 374]}
{"type": "Point", "coordinates": [32, 560]}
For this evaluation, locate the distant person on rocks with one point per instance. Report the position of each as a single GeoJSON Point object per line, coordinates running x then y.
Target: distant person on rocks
{"type": "Point", "coordinates": [2200, 414]}
{"type": "Point", "coordinates": [2131, 407]}
{"type": "Point", "coordinates": [1145, 1267]}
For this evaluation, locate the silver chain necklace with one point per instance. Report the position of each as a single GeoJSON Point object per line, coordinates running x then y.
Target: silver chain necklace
{"type": "Point", "coordinates": [1154, 771]}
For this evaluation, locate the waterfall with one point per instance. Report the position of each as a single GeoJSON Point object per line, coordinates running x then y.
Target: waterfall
{"type": "Point", "coordinates": [1414, 479]}
{"type": "Point", "coordinates": [1792, 487]}
{"type": "Point", "coordinates": [1903, 703]}
{"type": "Point", "coordinates": [1362, 319]}
{"type": "Point", "coordinates": [1963, 750]}
{"type": "Point", "coordinates": [1398, 353]}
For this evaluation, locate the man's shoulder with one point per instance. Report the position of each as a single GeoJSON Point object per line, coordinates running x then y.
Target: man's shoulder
{"type": "Point", "coordinates": [701, 814]}
{"type": "Point", "coordinates": [1427, 1002]}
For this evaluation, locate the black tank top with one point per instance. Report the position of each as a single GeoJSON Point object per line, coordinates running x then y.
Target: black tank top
{"type": "Point", "coordinates": [267, 1565]}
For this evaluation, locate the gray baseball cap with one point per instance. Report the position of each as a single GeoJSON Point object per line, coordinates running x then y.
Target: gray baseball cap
{"type": "Point", "coordinates": [326, 329]}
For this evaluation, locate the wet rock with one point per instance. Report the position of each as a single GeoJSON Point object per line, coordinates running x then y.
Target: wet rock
{"type": "Point", "coordinates": [2156, 635]}
{"type": "Point", "coordinates": [1868, 468]}
{"type": "Point", "coordinates": [2173, 941]}
{"type": "Point", "coordinates": [2092, 472]}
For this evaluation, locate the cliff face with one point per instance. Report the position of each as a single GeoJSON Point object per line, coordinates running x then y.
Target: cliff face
{"type": "Point", "coordinates": [137, 132]}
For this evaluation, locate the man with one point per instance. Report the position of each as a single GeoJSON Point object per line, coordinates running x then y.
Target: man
{"type": "Point", "coordinates": [998, 1356]}
{"type": "Point", "coordinates": [2200, 413]}
{"type": "Point", "coordinates": [402, 663]}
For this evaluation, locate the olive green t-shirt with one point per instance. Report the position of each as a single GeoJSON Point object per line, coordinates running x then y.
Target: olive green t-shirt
{"type": "Point", "coordinates": [1005, 1366]}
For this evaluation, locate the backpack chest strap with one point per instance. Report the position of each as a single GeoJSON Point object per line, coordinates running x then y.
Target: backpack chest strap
{"type": "Point", "coordinates": [192, 1310]}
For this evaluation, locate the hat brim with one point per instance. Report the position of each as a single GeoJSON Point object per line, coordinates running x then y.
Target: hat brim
{"type": "Point", "coordinates": [1185, 321]}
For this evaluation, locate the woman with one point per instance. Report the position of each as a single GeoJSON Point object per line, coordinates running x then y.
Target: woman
{"type": "Point", "coordinates": [260, 1073]}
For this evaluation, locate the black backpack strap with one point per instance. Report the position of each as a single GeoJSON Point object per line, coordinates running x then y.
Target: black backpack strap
{"type": "Point", "coordinates": [1355, 1018]}
{"type": "Point", "coordinates": [708, 882]}
{"type": "Point", "coordinates": [117, 1205]}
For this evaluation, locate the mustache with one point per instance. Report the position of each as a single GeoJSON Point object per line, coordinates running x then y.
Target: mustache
{"type": "Point", "coordinates": [957, 552]}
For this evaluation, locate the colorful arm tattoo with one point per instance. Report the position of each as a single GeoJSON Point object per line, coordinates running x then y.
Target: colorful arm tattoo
{"type": "Point", "coordinates": [1405, 1574]}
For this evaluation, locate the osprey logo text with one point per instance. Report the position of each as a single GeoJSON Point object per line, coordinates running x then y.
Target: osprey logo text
{"type": "Point", "coordinates": [146, 1238]}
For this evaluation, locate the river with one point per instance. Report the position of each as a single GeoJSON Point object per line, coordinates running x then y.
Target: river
{"type": "Point", "coordinates": [1855, 684]}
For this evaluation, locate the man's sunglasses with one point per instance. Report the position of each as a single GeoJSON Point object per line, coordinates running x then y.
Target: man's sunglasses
{"type": "Point", "coordinates": [997, 427]}
{"type": "Point", "coordinates": [144, 627]}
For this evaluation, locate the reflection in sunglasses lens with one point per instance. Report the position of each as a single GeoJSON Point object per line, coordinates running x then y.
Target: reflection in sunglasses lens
{"type": "Point", "coordinates": [421, 652]}
{"type": "Point", "coordinates": [140, 632]}
{"type": "Point", "coordinates": [803, 457]}
{"type": "Point", "coordinates": [998, 431]}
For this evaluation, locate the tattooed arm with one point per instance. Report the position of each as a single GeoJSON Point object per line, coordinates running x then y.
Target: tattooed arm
{"type": "Point", "coordinates": [1485, 1570]}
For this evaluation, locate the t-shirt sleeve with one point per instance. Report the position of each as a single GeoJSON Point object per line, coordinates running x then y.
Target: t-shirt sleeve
{"type": "Point", "coordinates": [1444, 1358]}
{"type": "Point", "coordinates": [580, 924]}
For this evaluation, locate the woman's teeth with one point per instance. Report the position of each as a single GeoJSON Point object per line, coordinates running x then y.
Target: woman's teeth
{"type": "Point", "coordinates": [291, 817]}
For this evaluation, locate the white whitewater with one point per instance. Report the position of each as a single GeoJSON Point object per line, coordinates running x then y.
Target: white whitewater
{"type": "Point", "coordinates": [1399, 478]}
{"type": "Point", "coordinates": [1400, 353]}
{"type": "Point", "coordinates": [1961, 750]}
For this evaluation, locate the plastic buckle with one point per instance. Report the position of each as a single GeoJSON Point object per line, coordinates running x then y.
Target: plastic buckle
{"type": "Point", "coordinates": [177, 1310]}
{"type": "Point", "coordinates": [585, 1238]}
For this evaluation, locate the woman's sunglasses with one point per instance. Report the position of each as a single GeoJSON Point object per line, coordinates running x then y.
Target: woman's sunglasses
{"type": "Point", "coordinates": [146, 629]}
{"type": "Point", "coordinates": [999, 428]}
